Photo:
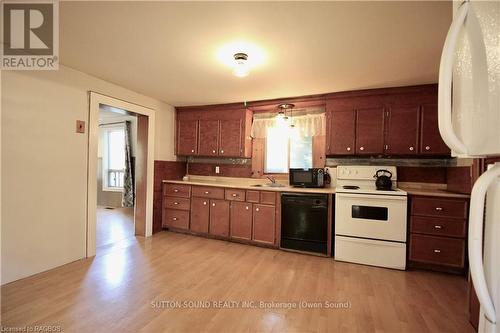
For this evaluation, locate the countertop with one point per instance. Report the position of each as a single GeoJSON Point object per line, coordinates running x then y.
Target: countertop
{"type": "Point", "coordinates": [434, 190]}
{"type": "Point", "coordinates": [245, 183]}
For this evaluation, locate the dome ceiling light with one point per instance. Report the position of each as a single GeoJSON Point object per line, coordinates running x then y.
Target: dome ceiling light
{"type": "Point", "coordinates": [241, 68]}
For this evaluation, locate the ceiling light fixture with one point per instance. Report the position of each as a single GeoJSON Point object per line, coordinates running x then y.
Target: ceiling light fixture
{"type": "Point", "coordinates": [241, 68]}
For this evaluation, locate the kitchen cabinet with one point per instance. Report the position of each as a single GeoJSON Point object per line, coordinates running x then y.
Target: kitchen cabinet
{"type": "Point", "coordinates": [431, 142]}
{"type": "Point", "coordinates": [241, 220]}
{"type": "Point", "coordinates": [230, 138]}
{"type": "Point", "coordinates": [200, 215]}
{"type": "Point", "coordinates": [218, 132]}
{"type": "Point", "coordinates": [438, 229]}
{"type": "Point", "coordinates": [219, 218]}
{"type": "Point", "coordinates": [370, 131]}
{"type": "Point", "coordinates": [402, 130]}
{"type": "Point", "coordinates": [187, 137]}
{"type": "Point", "coordinates": [341, 132]}
{"type": "Point", "coordinates": [264, 223]}
{"type": "Point", "coordinates": [208, 138]}
{"type": "Point", "coordinates": [176, 202]}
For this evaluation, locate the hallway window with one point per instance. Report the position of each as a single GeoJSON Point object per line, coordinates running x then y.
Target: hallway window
{"type": "Point", "coordinates": [114, 158]}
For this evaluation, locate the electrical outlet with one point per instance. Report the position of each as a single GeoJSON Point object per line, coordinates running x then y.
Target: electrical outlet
{"type": "Point", "coordinates": [217, 169]}
{"type": "Point", "coordinates": [80, 126]}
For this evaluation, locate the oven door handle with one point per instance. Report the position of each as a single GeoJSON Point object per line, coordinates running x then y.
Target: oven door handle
{"type": "Point", "coordinates": [372, 196]}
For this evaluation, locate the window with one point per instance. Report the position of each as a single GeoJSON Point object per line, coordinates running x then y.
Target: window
{"type": "Point", "coordinates": [284, 151]}
{"type": "Point", "coordinates": [113, 158]}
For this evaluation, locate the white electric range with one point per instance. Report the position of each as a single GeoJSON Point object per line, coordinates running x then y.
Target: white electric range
{"type": "Point", "coordinates": [370, 224]}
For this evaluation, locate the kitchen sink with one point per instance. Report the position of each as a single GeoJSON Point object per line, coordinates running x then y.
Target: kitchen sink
{"type": "Point", "coordinates": [269, 185]}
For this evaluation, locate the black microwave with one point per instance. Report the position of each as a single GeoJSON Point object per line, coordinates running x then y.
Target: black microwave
{"type": "Point", "coordinates": [313, 177]}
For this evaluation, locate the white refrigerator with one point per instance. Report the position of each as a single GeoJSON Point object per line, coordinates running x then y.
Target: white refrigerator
{"type": "Point", "coordinates": [469, 122]}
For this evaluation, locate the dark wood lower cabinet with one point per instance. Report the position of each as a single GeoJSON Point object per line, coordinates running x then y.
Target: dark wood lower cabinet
{"type": "Point", "coordinates": [241, 220]}
{"type": "Point", "coordinates": [219, 218]}
{"type": "Point", "coordinates": [200, 215]}
{"type": "Point", "coordinates": [264, 224]}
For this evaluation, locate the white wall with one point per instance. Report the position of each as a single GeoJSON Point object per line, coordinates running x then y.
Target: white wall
{"type": "Point", "coordinates": [44, 165]}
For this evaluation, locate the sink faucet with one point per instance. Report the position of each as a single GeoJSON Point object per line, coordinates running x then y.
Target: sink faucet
{"type": "Point", "coordinates": [272, 179]}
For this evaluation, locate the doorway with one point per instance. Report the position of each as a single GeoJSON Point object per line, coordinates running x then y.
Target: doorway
{"type": "Point", "coordinates": [120, 177]}
{"type": "Point", "coordinates": [116, 154]}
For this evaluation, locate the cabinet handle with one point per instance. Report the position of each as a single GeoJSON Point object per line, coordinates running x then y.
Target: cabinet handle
{"type": "Point", "coordinates": [427, 148]}
{"type": "Point", "coordinates": [174, 218]}
{"type": "Point", "coordinates": [348, 148]}
{"type": "Point", "coordinates": [206, 192]}
{"type": "Point", "coordinates": [247, 208]}
{"type": "Point", "coordinates": [437, 251]}
{"type": "Point", "coordinates": [234, 195]}
{"type": "Point", "coordinates": [213, 204]}
{"type": "Point", "coordinates": [439, 209]}
{"type": "Point", "coordinates": [213, 151]}
{"type": "Point", "coordinates": [256, 209]}
{"type": "Point", "coordinates": [222, 151]}
{"type": "Point", "coordinates": [176, 190]}
{"type": "Point", "coordinates": [411, 148]}
{"type": "Point", "coordinates": [438, 227]}
{"type": "Point", "coordinates": [204, 203]}
{"type": "Point", "coordinates": [192, 150]}
{"type": "Point", "coordinates": [361, 148]}
{"type": "Point", "coordinates": [176, 203]}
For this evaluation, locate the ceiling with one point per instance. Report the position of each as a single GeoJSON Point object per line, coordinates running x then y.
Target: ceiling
{"type": "Point", "coordinates": [169, 50]}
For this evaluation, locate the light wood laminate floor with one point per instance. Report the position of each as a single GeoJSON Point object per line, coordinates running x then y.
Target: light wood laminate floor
{"type": "Point", "coordinates": [113, 225]}
{"type": "Point", "coordinates": [121, 290]}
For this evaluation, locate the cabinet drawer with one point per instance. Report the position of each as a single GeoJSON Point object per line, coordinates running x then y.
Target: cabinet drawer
{"type": "Point", "coordinates": [427, 206]}
{"type": "Point", "coordinates": [177, 190]}
{"type": "Point", "coordinates": [438, 226]}
{"type": "Point", "coordinates": [253, 196]}
{"type": "Point", "coordinates": [268, 198]}
{"type": "Point", "coordinates": [437, 250]}
{"type": "Point", "coordinates": [237, 195]}
{"type": "Point", "coordinates": [176, 219]}
{"type": "Point", "coordinates": [177, 203]}
{"type": "Point", "coordinates": [208, 192]}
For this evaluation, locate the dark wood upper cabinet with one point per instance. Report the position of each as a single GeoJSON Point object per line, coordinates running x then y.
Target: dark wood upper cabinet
{"type": "Point", "coordinates": [187, 137]}
{"type": "Point", "coordinates": [341, 132]}
{"type": "Point", "coordinates": [431, 142]}
{"type": "Point", "coordinates": [230, 138]}
{"type": "Point", "coordinates": [370, 131]}
{"type": "Point", "coordinates": [214, 132]}
{"type": "Point", "coordinates": [402, 127]}
{"type": "Point", "coordinates": [208, 143]}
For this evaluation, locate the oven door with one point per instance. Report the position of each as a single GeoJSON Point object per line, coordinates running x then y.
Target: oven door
{"type": "Point", "coordinates": [380, 217]}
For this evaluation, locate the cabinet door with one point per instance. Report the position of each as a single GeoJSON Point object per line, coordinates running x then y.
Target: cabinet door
{"type": "Point", "coordinates": [370, 131]}
{"type": "Point", "coordinates": [208, 138]}
{"type": "Point", "coordinates": [219, 218]}
{"type": "Point", "coordinates": [241, 220]}
{"type": "Point", "coordinates": [402, 130]}
{"type": "Point", "coordinates": [230, 138]}
{"type": "Point", "coordinates": [200, 210]}
{"type": "Point", "coordinates": [341, 132]}
{"type": "Point", "coordinates": [431, 142]}
{"type": "Point", "coordinates": [263, 223]}
{"type": "Point", "coordinates": [187, 137]}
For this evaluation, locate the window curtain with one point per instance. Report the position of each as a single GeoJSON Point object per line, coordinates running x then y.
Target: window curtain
{"type": "Point", "coordinates": [307, 124]}
{"type": "Point", "coordinates": [128, 179]}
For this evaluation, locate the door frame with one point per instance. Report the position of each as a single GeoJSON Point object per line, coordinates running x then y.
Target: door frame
{"type": "Point", "coordinates": [95, 100]}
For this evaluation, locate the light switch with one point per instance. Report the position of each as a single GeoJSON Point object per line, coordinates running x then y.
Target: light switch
{"type": "Point", "coordinates": [80, 126]}
{"type": "Point", "coordinates": [217, 169]}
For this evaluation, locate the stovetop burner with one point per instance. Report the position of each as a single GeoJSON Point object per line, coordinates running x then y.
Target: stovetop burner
{"type": "Point", "coordinates": [350, 187]}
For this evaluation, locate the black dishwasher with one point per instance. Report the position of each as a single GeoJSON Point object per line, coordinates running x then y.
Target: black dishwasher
{"type": "Point", "coordinates": [304, 222]}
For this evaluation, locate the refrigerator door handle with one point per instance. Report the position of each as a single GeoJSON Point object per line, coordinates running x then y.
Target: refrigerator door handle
{"type": "Point", "coordinates": [445, 82]}
{"type": "Point", "coordinates": [476, 216]}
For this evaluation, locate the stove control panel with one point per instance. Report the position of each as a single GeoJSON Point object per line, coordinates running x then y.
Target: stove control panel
{"type": "Point", "coordinates": [363, 172]}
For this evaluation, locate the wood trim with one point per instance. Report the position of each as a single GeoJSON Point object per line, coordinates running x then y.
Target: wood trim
{"type": "Point", "coordinates": [141, 161]}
